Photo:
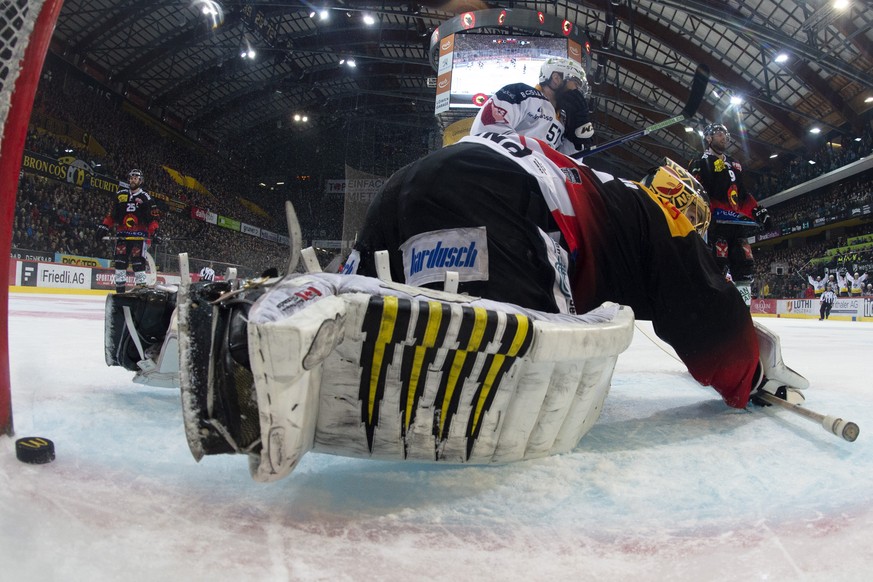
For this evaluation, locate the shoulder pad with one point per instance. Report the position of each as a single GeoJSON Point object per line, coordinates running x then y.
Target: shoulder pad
{"type": "Point", "coordinates": [517, 92]}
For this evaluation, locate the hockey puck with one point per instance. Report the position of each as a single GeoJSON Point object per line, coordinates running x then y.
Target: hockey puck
{"type": "Point", "coordinates": [35, 450]}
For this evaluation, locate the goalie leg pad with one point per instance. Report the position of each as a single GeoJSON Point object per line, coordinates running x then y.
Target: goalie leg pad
{"type": "Point", "coordinates": [151, 311]}
{"type": "Point", "coordinates": [220, 412]}
{"type": "Point", "coordinates": [395, 372]}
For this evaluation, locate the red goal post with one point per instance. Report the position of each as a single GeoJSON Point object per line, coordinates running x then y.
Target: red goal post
{"type": "Point", "coordinates": [26, 28]}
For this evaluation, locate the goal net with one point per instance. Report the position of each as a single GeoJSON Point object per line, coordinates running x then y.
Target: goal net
{"type": "Point", "coordinates": [25, 31]}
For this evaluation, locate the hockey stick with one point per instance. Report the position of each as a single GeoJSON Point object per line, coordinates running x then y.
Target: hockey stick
{"type": "Point", "coordinates": [152, 275]}
{"type": "Point", "coordinates": [844, 429]}
{"type": "Point", "coordinates": [695, 98]}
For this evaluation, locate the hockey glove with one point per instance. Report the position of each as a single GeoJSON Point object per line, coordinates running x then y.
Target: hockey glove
{"type": "Point", "coordinates": [157, 238]}
{"type": "Point", "coordinates": [762, 216]}
{"type": "Point", "coordinates": [773, 375]}
{"type": "Point", "coordinates": [576, 124]}
{"type": "Point", "coordinates": [102, 232]}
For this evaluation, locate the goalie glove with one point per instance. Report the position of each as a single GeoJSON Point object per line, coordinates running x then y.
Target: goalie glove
{"type": "Point", "coordinates": [762, 216]}
{"type": "Point", "coordinates": [772, 375]}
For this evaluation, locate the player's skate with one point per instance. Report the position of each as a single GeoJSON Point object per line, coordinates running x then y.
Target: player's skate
{"type": "Point", "coordinates": [352, 366]}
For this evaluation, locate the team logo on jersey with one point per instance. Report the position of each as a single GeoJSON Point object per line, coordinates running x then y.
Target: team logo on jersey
{"type": "Point", "coordinates": [122, 197]}
{"type": "Point", "coordinates": [572, 175]}
{"type": "Point", "coordinates": [733, 196]}
{"type": "Point", "coordinates": [130, 221]}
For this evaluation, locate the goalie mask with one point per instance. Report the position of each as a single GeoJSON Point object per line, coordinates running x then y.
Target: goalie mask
{"type": "Point", "coordinates": [568, 69]}
{"type": "Point", "coordinates": [674, 184]}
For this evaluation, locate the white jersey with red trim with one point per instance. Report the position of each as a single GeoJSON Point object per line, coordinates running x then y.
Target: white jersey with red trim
{"type": "Point", "coordinates": [524, 110]}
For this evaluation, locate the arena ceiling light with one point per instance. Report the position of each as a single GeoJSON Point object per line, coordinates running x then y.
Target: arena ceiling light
{"type": "Point", "coordinates": [774, 156]}
{"type": "Point", "coordinates": [781, 58]}
{"type": "Point", "coordinates": [815, 130]}
{"type": "Point", "coordinates": [736, 100]}
{"type": "Point", "coordinates": [212, 10]}
{"type": "Point", "coordinates": [369, 20]}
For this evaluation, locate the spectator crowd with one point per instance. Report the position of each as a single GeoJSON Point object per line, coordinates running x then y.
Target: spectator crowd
{"type": "Point", "coordinates": [53, 216]}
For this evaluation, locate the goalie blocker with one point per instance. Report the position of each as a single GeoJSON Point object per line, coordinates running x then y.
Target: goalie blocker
{"type": "Point", "coordinates": [352, 366]}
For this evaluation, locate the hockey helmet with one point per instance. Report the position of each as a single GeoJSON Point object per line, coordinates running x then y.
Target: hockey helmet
{"type": "Point", "coordinates": [714, 128]}
{"type": "Point", "coordinates": [135, 172]}
{"type": "Point", "coordinates": [674, 184]}
{"type": "Point", "coordinates": [568, 68]}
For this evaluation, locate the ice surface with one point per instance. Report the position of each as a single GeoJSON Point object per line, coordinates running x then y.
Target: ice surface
{"type": "Point", "coordinates": [670, 483]}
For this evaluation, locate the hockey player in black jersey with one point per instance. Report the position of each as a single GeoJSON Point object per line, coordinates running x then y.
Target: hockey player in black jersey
{"type": "Point", "coordinates": [736, 214]}
{"type": "Point", "coordinates": [134, 216]}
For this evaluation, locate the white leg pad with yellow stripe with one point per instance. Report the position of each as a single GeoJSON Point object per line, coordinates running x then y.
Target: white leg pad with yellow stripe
{"type": "Point", "coordinates": [354, 366]}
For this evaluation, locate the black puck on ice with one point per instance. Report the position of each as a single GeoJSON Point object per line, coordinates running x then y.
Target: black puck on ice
{"type": "Point", "coordinates": [35, 450]}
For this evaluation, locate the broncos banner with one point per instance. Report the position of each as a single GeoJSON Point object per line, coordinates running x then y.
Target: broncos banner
{"type": "Point", "coordinates": [68, 169]}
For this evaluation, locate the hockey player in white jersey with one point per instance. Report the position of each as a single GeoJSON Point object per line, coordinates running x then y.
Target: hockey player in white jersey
{"type": "Point", "coordinates": [857, 283]}
{"type": "Point", "coordinates": [818, 286]}
{"type": "Point", "coordinates": [842, 283]}
{"type": "Point", "coordinates": [555, 111]}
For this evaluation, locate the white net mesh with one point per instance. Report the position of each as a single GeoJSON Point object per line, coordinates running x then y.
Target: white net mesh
{"type": "Point", "coordinates": [17, 18]}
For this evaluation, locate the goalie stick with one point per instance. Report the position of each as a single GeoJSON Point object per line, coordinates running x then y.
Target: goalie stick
{"type": "Point", "coordinates": [844, 429]}
{"type": "Point", "coordinates": [295, 236]}
{"type": "Point", "coordinates": [695, 98]}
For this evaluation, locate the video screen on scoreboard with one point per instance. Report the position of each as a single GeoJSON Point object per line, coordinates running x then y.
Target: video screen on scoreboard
{"type": "Point", "coordinates": [483, 63]}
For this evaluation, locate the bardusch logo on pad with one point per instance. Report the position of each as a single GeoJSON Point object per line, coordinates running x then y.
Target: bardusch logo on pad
{"type": "Point", "coordinates": [427, 257]}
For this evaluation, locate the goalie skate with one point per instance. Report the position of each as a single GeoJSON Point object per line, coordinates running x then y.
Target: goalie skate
{"type": "Point", "coordinates": [352, 366]}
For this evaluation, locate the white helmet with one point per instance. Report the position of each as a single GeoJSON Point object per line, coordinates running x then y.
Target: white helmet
{"type": "Point", "coordinates": [568, 68]}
